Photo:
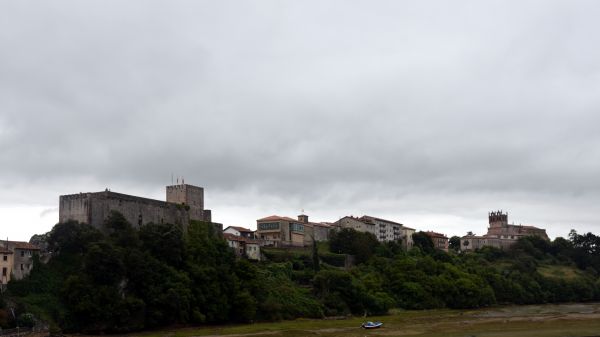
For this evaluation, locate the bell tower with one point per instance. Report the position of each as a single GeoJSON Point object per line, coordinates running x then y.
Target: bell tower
{"type": "Point", "coordinates": [498, 219]}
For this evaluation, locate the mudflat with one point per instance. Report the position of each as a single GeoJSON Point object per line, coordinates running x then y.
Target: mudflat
{"type": "Point", "coordinates": [550, 320]}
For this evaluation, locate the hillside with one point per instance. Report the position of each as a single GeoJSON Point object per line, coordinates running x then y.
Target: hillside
{"type": "Point", "coordinates": [122, 280]}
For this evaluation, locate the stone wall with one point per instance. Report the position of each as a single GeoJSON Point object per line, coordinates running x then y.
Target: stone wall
{"type": "Point", "coordinates": [93, 208]}
{"type": "Point", "coordinates": [191, 196]}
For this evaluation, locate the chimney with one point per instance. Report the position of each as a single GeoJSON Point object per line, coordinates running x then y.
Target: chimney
{"type": "Point", "coordinates": [303, 218]}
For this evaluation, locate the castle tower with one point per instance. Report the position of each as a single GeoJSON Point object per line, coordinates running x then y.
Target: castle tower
{"type": "Point", "coordinates": [498, 219]}
{"type": "Point", "coordinates": [190, 196]}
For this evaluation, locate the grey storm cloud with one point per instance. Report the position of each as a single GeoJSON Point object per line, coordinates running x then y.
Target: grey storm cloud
{"type": "Point", "coordinates": [414, 106]}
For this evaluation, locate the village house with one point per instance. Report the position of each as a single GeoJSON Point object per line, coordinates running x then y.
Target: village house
{"type": "Point", "coordinates": [407, 240]}
{"type": "Point", "coordinates": [279, 231]}
{"type": "Point", "coordinates": [384, 230]}
{"type": "Point", "coordinates": [243, 246]}
{"type": "Point", "coordinates": [6, 264]}
{"type": "Point", "coordinates": [17, 260]}
{"type": "Point", "coordinates": [440, 241]}
{"type": "Point", "coordinates": [500, 234]}
{"type": "Point", "coordinates": [240, 231]}
{"type": "Point", "coordinates": [317, 231]}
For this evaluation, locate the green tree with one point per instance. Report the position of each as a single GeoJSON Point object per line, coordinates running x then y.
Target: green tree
{"type": "Point", "coordinates": [454, 243]}
{"type": "Point", "coordinates": [349, 241]}
{"type": "Point", "coordinates": [423, 242]}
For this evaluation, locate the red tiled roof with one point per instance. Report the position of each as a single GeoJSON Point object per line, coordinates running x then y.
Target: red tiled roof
{"type": "Point", "coordinates": [240, 229]}
{"type": "Point", "coordinates": [533, 227]}
{"type": "Point", "coordinates": [277, 218]}
{"type": "Point", "coordinates": [24, 245]}
{"type": "Point", "coordinates": [231, 237]}
{"type": "Point", "coordinates": [5, 251]}
{"type": "Point", "coordinates": [435, 234]}
{"type": "Point", "coordinates": [371, 218]}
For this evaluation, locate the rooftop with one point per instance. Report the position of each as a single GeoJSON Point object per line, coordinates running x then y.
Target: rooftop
{"type": "Point", "coordinates": [277, 218]}
{"type": "Point", "coordinates": [240, 229]}
{"type": "Point", "coordinates": [436, 234]}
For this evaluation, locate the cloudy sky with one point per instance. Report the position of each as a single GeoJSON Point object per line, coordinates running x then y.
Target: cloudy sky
{"type": "Point", "coordinates": [430, 113]}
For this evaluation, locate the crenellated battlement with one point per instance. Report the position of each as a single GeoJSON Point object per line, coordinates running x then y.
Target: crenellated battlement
{"type": "Point", "coordinates": [184, 203]}
{"type": "Point", "coordinates": [498, 219]}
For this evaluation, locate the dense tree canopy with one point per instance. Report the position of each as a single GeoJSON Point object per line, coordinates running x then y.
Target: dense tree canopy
{"type": "Point", "coordinates": [122, 279]}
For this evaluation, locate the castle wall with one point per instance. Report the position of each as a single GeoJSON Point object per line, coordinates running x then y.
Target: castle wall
{"type": "Point", "coordinates": [138, 211]}
{"type": "Point", "coordinates": [94, 208]}
{"type": "Point", "coordinates": [74, 207]}
{"type": "Point", "coordinates": [192, 196]}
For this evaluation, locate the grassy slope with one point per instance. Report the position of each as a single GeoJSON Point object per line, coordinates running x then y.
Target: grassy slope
{"type": "Point", "coordinates": [563, 272]}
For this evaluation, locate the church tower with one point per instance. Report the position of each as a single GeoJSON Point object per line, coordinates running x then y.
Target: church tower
{"type": "Point", "coordinates": [498, 219]}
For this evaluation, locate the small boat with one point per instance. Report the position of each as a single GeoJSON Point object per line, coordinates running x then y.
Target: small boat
{"type": "Point", "coordinates": [371, 325]}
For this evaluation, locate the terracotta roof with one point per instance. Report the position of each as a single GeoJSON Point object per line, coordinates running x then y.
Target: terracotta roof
{"type": "Point", "coordinates": [371, 218]}
{"type": "Point", "coordinates": [533, 227]}
{"type": "Point", "coordinates": [240, 229]}
{"type": "Point", "coordinates": [24, 245]}
{"type": "Point", "coordinates": [231, 237]}
{"type": "Point", "coordinates": [435, 234]}
{"type": "Point", "coordinates": [5, 251]}
{"type": "Point", "coordinates": [277, 218]}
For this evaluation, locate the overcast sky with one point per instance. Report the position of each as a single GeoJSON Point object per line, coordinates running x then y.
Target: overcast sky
{"type": "Point", "coordinates": [429, 113]}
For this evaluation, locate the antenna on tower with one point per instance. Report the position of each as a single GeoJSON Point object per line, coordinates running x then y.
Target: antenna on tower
{"type": "Point", "coordinates": [171, 178]}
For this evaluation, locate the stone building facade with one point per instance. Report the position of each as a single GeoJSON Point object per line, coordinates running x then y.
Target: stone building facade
{"type": "Point", "coordinates": [356, 224]}
{"type": "Point", "coordinates": [16, 260]}
{"type": "Point", "coordinates": [407, 240]}
{"type": "Point", "coordinates": [280, 231]}
{"type": "Point", "coordinates": [239, 231]}
{"type": "Point", "coordinates": [184, 203]}
{"type": "Point", "coordinates": [316, 231]}
{"type": "Point", "coordinates": [500, 233]}
{"type": "Point", "coordinates": [243, 246]}
{"type": "Point", "coordinates": [440, 241]}
{"type": "Point", "coordinates": [384, 230]}
{"type": "Point", "coordinates": [6, 265]}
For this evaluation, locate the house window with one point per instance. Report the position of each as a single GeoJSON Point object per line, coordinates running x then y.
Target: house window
{"type": "Point", "coordinates": [268, 226]}
{"type": "Point", "coordinates": [296, 227]}
{"type": "Point", "coordinates": [3, 271]}
{"type": "Point", "coordinates": [22, 253]}
{"type": "Point", "coordinates": [5, 258]}
{"type": "Point", "coordinates": [22, 268]}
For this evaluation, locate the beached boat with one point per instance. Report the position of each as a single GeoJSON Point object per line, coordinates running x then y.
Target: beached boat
{"type": "Point", "coordinates": [371, 325]}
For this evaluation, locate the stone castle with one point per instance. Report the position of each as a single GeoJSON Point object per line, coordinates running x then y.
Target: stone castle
{"type": "Point", "coordinates": [500, 233]}
{"type": "Point", "coordinates": [184, 203]}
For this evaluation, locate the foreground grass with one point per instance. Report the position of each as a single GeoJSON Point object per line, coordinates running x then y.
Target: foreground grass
{"type": "Point", "coordinates": [517, 321]}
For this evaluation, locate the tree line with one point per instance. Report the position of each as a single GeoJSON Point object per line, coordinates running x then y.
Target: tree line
{"type": "Point", "coordinates": [122, 279]}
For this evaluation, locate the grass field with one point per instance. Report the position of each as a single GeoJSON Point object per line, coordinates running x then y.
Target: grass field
{"type": "Point", "coordinates": [563, 272]}
{"type": "Point", "coordinates": [573, 320]}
